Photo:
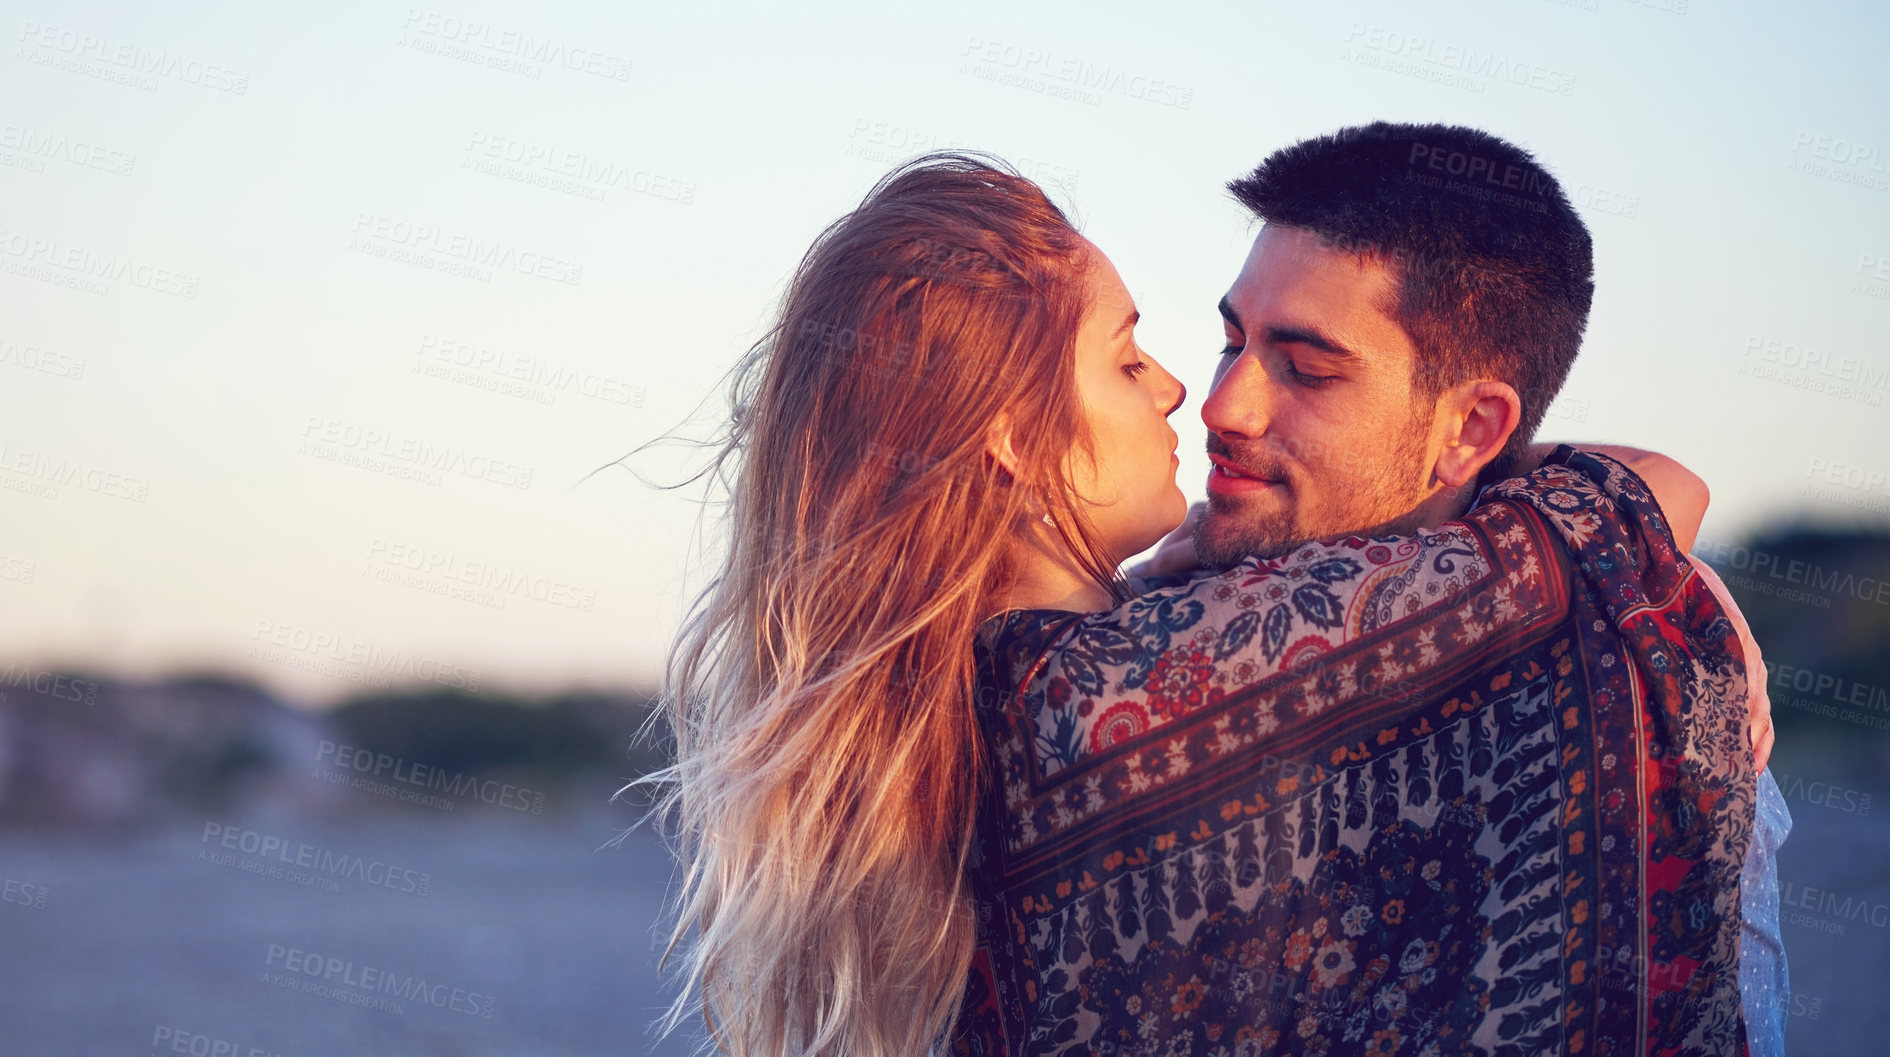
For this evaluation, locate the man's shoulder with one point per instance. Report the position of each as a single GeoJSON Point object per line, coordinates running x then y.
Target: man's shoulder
{"type": "Point", "coordinates": [1598, 507]}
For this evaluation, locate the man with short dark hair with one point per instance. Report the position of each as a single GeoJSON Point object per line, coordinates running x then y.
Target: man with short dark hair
{"type": "Point", "coordinates": [1393, 337]}
{"type": "Point", "coordinates": [1410, 309]}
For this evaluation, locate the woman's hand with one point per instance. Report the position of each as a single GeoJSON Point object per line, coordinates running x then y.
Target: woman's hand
{"type": "Point", "coordinates": [1175, 553]}
{"type": "Point", "coordinates": [1681, 493]}
{"type": "Point", "coordinates": [1759, 731]}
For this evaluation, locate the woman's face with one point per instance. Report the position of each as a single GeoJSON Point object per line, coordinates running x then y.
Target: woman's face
{"type": "Point", "coordinates": [1128, 487]}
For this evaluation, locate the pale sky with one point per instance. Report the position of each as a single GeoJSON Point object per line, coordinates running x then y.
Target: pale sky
{"type": "Point", "coordinates": [296, 303]}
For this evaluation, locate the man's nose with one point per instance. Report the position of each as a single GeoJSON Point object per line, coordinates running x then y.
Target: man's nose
{"type": "Point", "coordinates": [1237, 406]}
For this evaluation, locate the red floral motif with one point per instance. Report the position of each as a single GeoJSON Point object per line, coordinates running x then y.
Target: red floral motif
{"type": "Point", "coordinates": [1181, 682]}
{"type": "Point", "coordinates": [1123, 720]}
{"type": "Point", "coordinates": [1188, 997]}
{"type": "Point", "coordinates": [1298, 949]}
{"type": "Point", "coordinates": [1057, 693]}
{"type": "Point", "coordinates": [1305, 651]}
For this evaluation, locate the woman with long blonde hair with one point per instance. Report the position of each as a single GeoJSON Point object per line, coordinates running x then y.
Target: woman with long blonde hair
{"type": "Point", "coordinates": [908, 449]}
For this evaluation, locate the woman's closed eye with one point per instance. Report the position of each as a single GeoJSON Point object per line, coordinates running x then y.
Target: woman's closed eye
{"type": "Point", "coordinates": [1136, 368]}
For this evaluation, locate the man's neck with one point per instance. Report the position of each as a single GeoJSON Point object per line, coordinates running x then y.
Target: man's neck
{"type": "Point", "coordinates": [1443, 505]}
{"type": "Point", "coordinates": [1446, 505]}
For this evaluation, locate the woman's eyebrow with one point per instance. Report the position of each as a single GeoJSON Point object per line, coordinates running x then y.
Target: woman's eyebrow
{"type": "Point", "coordinates": [1228, 313]}
{"type": "Point", "coordinates": [1134, 316]}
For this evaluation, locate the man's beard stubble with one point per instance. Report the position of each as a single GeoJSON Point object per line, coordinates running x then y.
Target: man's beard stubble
{"type": "Point", "coordinates": [1368, 504]}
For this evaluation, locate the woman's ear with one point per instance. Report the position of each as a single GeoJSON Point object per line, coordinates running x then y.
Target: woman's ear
{"type": "Point", "coordinates": [997, 444]}
{"type": "Point", "coordinates": [1482, 415]}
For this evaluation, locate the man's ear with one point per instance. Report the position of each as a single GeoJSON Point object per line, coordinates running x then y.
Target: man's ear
{"type": "Point", "coordinates": [1480, 417]}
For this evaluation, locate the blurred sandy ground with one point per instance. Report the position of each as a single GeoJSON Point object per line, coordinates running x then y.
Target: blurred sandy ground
{"type": "Point", "coordinates": [141, 935]}
{"type": "Point", "coordinates": [498, 906]}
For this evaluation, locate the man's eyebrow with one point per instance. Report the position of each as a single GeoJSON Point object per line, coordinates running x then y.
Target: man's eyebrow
{"type": "Point", "coordinates": [1313, 337]}
{"type": "Point", "coordinates": [1295, 335]}
{"type": "Point", "coordinates": [1134, 316]}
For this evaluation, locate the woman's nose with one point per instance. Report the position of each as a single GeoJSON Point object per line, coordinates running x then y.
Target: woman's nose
{"type": "Point", "coordinates": [1180, 392]}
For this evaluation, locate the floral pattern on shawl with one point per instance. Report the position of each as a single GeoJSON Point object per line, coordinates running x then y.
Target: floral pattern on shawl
{"type": "Point", "coordinates": [1473, 791]}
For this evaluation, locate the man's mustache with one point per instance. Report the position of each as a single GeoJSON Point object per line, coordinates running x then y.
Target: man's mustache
{"type": "Point", "coordinates": [1259, 458]}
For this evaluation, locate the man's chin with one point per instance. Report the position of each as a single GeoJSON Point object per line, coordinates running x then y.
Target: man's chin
{"type": "Point", "coordinates": [1220, 544]}
{"type": "Point", "coordinates": [1223, 540]}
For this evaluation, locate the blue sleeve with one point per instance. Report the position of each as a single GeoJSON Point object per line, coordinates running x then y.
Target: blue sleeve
{"type": "Point", "coordinates": [1764, 982]}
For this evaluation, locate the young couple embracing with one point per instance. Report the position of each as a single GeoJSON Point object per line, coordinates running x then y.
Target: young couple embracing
{"type": "Point", "coordinates": [1417, 738]}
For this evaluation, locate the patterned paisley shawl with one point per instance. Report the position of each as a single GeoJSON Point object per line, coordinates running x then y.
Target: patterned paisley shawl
{"type": "Point", "coordinates": [1480, 790]}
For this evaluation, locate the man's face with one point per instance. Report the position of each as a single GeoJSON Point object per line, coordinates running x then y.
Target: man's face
{"type": "Point", "coordinates": [1314, 427]}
